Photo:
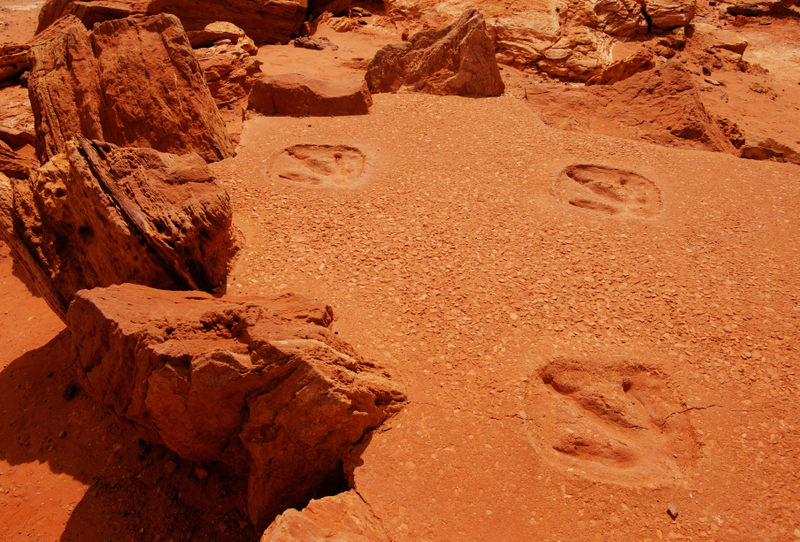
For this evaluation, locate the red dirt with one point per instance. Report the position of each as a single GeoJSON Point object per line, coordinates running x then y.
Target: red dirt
{"type": "Point", "coordinates": [571, 371]}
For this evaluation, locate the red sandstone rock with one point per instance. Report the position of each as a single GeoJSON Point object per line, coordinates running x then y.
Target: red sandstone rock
{"type": "Point", "coordinates": [343, 517]}
{"type": "Point", "coordinates": [669, 13]}
{"type": "Point", "coordinates": [760, 148]}
{"type": "Point", "coordinates": [230, 72]}
{"type": "Point", "coordinates": [132, 82]}
{"type": "Point", "coordinates": [661, 105]}
{"type": "Point", "coordinates": [101, 215]}
{"type": "Point", "coordinates": [13, 60]}
{"type": "Point", "coordinates": [458, 59]}
{"type": "Point", "coordinates": [265, 22]}
{"type": "Point", "coordinates": [259, 384]}
{"type": "Point", "coordinates": [299, 95]}
{"type": "Point", "coordinates": [14, 165]}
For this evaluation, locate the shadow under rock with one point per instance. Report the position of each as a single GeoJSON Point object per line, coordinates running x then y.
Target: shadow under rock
{"type": "Point", "coordinates": [137, 491]}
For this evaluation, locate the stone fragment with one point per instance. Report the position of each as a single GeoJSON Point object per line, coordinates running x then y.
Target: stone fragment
{"type": "Point", "coordinates": [265, 22]}
{"type": "Point", "coordinates": [298, 95]}
{"type": "Point", "coordinates": [642, 60]}
{"type": "Point", "coordinates": [669, 13]}
{"type": "Point", "coordinates": [132, 82]}
{"type": "Point", "coordinates": [100, 215]}
{"type": "Point", "coordinates": [344, 517]}
{"type": "Point", "coordinates": [672, 510]}
{"type": "Point", "coordinates": [316, 44]}
{"type": "Point", "coordinates": [14, 165]}
{"type": "Point", "coordinates": [230, 72]}
{"type": "Point", "coordinates": [759, 148]}
{"type": "Point", "coordinates": [458, 59]}
{"type": "Point", "coordinates": [16, 138]}
{"type": "Point", "coordinates": [260, 384]}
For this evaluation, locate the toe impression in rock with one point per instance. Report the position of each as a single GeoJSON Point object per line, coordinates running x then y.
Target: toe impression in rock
{"type": "Point", "coordinates": [259, 384]}
{"type": "Point", "coordinates": [298, 95]}
{"type": "Point", "coordinates": [614, 421]}
{"type": "Point", "coordinates": [318, 165]}
{"type": "Point", "coordinates": [133, 82]}
{"type": "Point", "coordinates": [100, 215]}
{"type": "Point", "coordinates": [608, 191]}
{"type": "Point", "coordinates": [459, 59]}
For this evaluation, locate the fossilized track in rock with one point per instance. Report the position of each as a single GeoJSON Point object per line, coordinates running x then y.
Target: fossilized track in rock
{"type": "Point", "coordinates": [616, 422]}
{"type": "Point", "coordinates": [609, 191]}
{"type": "Point", "coordinates": [319, 165]}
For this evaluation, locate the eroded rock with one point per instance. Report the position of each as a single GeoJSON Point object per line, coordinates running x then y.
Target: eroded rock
{"type": "Point", "coordinates": [100, 215]}
{"type": "Point", "coordinates": [259, 384]}
{"type": "Point", "coordinates": [670, 13]}
{"type": "Point", "coordinates": [230, 71]}
{"type": "Point", "coordinates": [766, 148]}
{"type": "Point", "coordinates": [221, 30]}
{"type": "Point", "coordinates": [298, 95]}
{"type": "Point", "coordinates": [343, 517]}
{"type": "Point", "coordinates": [132, 82]}
{"type": "Point", "coordinates": [265, 22]}
{"type": "Point", "coordinates": [458, 59]}
{"type": "Point", "coordinates": [661, 105]}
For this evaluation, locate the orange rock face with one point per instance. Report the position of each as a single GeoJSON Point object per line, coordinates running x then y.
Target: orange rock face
{"type": "Point", "coordinates": [132, 82]}
{"type": "Point", "coordinates": [458, 59]}
{"type": "Point", "coordinates": [260, 384]}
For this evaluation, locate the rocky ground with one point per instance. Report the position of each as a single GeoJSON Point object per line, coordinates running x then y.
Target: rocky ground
{"type": "Point", "coordinates": [597, 335]}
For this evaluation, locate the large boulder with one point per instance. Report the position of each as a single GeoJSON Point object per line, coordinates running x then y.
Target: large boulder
{"type": "Point", "coordinates": [458, 59]}
{"type": "Point", "coordinates": [265, 22]}
{"type": "Point", "coordinates": [259, 384]}
{"type": "Point", "coordinates": [230, 71]}
{"type": "Point", "coordinates": [661, 105]}
{"type": "Point", "coordinates": [344, 517]}
{"type": "Point", "coordinates": [100, 215]}
{"type": "Point", "coordinates": [132, 82]}
{"type": "Point", "coordinates": [298, 95]}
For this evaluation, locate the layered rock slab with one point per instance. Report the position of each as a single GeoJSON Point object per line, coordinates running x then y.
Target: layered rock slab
{"type": "Point", "coordinates": [265, 22]}
{"type": "Point", "coordinates": [344, 517]}
{"type": "Point", "coordinates": [133, 82]}
{"type": "Point", "coordinates": [100, 215]}
{"type": "Point", "coordinates": [260, 384]}
{"type": "Point", "coordinates": [298, 95]}
{"type": "Point", "coordinates": [458, 59]}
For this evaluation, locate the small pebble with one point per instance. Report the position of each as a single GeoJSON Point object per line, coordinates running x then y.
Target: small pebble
{"type": "Point", "coordinates": [672, 510]}
{"type": "Point", "coordinates": [170, 467]}
{"type": "Point", "coordinates": [201, 473]}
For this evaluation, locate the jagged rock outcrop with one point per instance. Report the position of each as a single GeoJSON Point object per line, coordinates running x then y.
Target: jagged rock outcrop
{"type": "Point", "coordinates": [230, 71]}
{"type": "Point", "coordinates": [265, 22]}
{"type": "Point", "coordinates": [458, 59]}
{"type": "Point", "coordinates": [298, 95]}
{"type": "Point", "coordinates": [100, 215]}
{"type": "Point", "coordinates": [343, 517]}
{"type": "Point", "coordinates": [132, 82]}
{"type": "Point", "coordinates": [661, 105]}
{"type": "Point", "coordinates": [259, 384]}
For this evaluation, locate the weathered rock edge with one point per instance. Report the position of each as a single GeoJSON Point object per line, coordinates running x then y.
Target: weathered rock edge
{"type": "Point", "coordinates": [260, 384]}
{"type": "Point", "coordinates": [100, 215]}
{"type": "Point", "coordinates": [458, 59]}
